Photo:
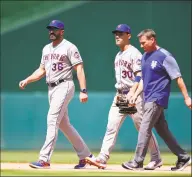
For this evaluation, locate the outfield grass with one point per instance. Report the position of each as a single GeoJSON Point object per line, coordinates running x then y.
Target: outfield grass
{"type": "Point", "coordinates": [74, 173]}
{"type": "Point", "coordinates": [71, 157]}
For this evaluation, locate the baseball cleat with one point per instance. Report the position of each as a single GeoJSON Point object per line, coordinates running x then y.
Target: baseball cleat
{"type": "Point", "coordinates": [181, 164]}
{"type": "Point", "coordinates": [40, 165]}
{"type": "Point", "coordinates": [96, 162]}
{"type": "Point", "coordinates": [82, 163]}
{"type": "Point", "coordinates": [153, 165]}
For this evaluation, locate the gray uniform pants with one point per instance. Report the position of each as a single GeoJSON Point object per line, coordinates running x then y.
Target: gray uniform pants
{"type": "Point", "coordinates": [57, 118]}
{"type": "Point", "coordinates": [154, 117]}
{"type": "Point", "coordinates": [115, 120]}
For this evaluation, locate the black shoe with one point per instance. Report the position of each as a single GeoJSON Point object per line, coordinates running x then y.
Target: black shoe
{"type": "Point", "coordinates": [181, 164]}
{"type": "Point", "coordinates": [132, 165]}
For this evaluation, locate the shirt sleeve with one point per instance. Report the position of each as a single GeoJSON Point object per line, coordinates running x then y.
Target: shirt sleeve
{"type": "Point", "coordinates": [171, 67]}
{"type": "Point", "coordinates": [42, 60]}
{"type": "Point", "coordinates": [137, 61]}
{"type": "Point", "coordinates": [74, 55]}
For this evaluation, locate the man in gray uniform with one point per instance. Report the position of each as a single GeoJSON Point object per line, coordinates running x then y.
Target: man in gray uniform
{"type": "Point", "coordinates": [128, 73]}
{"type": "Point", "coordinates": [58, 59]}
{"type": "Point", "coordinates": [159, 68]}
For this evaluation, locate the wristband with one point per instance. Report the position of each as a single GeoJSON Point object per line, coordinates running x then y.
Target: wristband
{"type": "Point", "coordinates": [84, 90]}
{"type": "Point", "coordinates": [137, 78]}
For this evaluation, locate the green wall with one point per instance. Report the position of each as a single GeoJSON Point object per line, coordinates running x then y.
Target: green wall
{"type": "Point", "coordinates": [23, 121]}
{"type": "Point", "coordinates": [89, 26]}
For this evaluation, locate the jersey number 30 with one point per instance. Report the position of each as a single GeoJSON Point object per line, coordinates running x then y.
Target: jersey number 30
{"type": "Point", "coordinates": [126, 74]}
{"type": "Point", "coordinates": [57, 66]}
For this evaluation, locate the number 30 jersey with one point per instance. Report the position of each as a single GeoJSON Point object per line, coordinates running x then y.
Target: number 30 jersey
{"type": "Point", "coordinates": [58, 61]}
{"type": "Point", "coordinates": [126, 64]}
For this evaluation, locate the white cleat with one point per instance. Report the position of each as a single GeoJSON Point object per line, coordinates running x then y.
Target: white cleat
{"type": "Point", "coordinates": [96, 162]}
{"type": "Point", "coordinates": [153, 165]}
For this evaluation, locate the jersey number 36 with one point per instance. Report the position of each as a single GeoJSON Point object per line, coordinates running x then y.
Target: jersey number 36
{"type": "Point", "coordinates": [57, 66]}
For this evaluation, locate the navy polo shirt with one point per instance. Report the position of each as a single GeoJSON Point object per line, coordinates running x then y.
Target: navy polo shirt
{"type": "Point", "coordinates": [158, 69]}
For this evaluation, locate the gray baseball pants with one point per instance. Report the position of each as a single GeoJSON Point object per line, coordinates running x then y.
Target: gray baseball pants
{"type": "Point", "coordinates": [57, 118]}
{"type": "Point", "coordinates": [154, 117]}
{"type": "Point", "coordinates": [115, 120]}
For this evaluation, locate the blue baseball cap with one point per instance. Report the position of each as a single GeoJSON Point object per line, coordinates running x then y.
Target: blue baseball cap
{"type": "Point", "coordinates": [56, 23]}
{"type": "Point", "coordinates": [122, 28]}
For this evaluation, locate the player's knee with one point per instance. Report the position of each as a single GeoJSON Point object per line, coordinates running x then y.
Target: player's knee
{"type": "Point", "coordinates": [51, 123]}
{"type": "Point", "coordinates": [111, 130]}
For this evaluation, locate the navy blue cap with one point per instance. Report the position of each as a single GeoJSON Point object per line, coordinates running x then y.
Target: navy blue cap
{"type": "Point", "coordinates": [56, 23]}
{"type": "Point", "coordinates": [122, 28]}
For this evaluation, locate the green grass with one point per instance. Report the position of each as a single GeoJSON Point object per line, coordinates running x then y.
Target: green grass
{"type": "Point", "coordinates": [78, 173]}
{"type": "Point", "coordinates": [71, 157]}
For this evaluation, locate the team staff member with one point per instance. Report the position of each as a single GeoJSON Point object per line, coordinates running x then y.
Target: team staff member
{"type": "Point", "coordinates": [159, 67]}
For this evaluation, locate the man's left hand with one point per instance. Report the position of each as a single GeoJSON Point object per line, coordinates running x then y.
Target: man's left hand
{"type": "Point", "coordinates": [83, 97]}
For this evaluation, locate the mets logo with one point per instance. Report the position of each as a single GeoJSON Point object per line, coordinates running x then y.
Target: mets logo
{"type": "Point", "coordinates": [153, 64]}
{"type": "Point", "coordinates": [138, 62]}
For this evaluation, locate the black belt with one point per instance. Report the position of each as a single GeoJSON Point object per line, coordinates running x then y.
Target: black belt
{"type": "Point", "coordinates": [123, 91]}
{"type": "Point", "coordinates": [55, 83]}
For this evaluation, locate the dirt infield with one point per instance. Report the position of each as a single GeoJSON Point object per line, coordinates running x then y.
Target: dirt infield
{"type": "Point", "coordinates": [69, 167]}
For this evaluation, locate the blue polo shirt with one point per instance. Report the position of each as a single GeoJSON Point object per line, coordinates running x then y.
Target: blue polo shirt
{"type": "Point", "coordinates": [158, 69]}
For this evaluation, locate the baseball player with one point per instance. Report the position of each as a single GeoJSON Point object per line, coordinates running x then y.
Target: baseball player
{"type": "Point", "coordinates": [128, 74]}
{"type": "Point", "coordinates": [58, 60]}
{"type": "Point", "coordinates": [159, 68]}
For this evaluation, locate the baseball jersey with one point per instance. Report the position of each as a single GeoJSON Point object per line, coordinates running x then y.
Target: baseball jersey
{"type": "Point", "coordinates": [126, 63]}
{"type": "Point", "coordinates": [58, 61]}
{"type": "Point", "coordinates": [158, 69]}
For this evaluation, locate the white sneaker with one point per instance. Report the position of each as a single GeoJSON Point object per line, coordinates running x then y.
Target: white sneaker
{"type": "Point", "coordinates": [96, 162]}
{"type": "Point", "coordinates": [153, 165]}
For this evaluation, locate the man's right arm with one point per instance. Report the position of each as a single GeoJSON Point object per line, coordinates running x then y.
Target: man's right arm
{"type": "Point", "coordinates": [135, 85]}
{"type": "Point", "coordinates": [184, 91]}
{"type": "Point", "coordinates": [137, 92]}
{"type": "Point", "coordinates": [35, 76]}
{"type": "Point", "coordinates": [173, 71]}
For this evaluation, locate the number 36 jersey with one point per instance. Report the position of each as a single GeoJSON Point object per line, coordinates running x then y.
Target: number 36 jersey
{"type": "Point", "coordinates": [126, 64]}
{"type": "Point", "coordinates": [58, 61]}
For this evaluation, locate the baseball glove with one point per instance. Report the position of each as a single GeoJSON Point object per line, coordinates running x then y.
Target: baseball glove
{"type": "Point", "coordinates": [124, 106]}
